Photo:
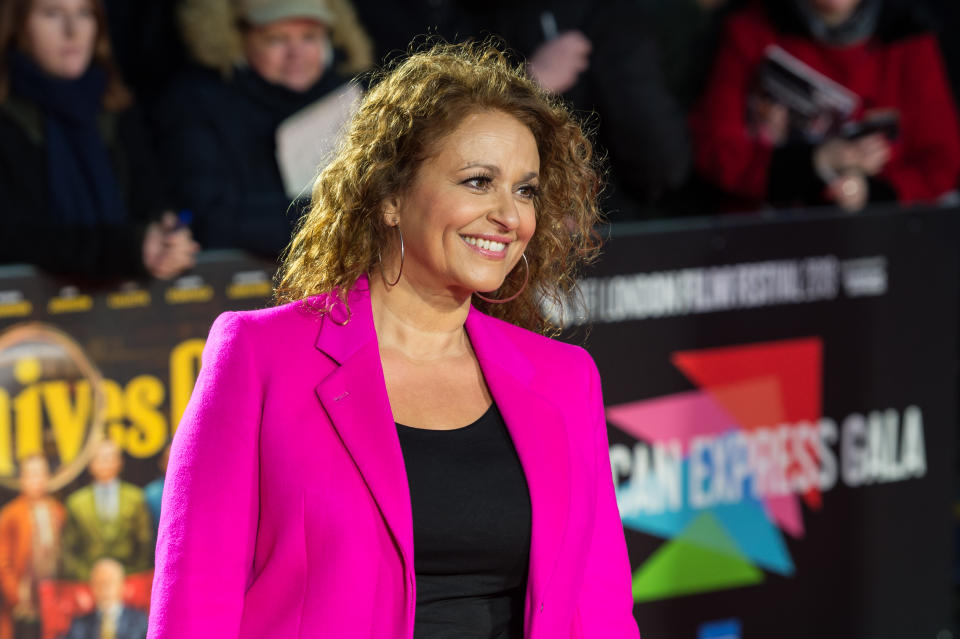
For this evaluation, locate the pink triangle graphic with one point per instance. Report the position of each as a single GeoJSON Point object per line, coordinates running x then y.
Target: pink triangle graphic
{"type": "Point", "coordinates": [785, 512]}
{"type": "Point", "coordinates": [680, 416]}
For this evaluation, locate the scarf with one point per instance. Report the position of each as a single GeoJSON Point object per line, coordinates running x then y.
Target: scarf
{"type": "Point", "coordinates": [859, 26]}
{"type": "Point", "coordinates": [276, 102]}
{"type": "Point", "coordinates": [81, 182]}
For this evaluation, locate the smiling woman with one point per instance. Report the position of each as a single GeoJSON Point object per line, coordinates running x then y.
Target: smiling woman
{"type": "Point", "coordinates": [400, 464]}
{"type": "Point", "coordinates": [397, 131]}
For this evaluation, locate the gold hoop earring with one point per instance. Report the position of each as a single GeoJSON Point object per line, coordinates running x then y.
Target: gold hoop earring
{"type": "Point", "coordinates": [526, 279]}
{"type": "Point", "coordinates": [380, 258]}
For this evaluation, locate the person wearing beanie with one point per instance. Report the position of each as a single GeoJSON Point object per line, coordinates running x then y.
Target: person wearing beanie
{"type": "Point", "coordinates": [257, 62]}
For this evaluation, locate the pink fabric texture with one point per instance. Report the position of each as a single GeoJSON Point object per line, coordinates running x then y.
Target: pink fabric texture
{"type": "Point", "coordinates": [286, 509]}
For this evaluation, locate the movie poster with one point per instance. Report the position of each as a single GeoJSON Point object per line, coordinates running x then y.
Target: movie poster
{"type": "Point", "coordinates": [93, 381]}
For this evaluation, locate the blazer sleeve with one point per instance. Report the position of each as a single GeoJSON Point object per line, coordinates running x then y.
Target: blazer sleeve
{"type": "Point", "coordinates": [204, 556]}
{"type": "Point", "coordinates": [605, 608]}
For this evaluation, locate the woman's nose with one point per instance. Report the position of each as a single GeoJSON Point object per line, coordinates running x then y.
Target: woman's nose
{"type": "Point", "coordinates": [506, 213]}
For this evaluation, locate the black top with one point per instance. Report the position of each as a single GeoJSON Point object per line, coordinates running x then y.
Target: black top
{"type": "Point", "coordinates": [471, 530]}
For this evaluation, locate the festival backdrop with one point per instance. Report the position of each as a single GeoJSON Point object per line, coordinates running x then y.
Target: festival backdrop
{"type": "Point", "coordinates": [781, 397]}
{"type": "Point", "coordinates": [781, 401]}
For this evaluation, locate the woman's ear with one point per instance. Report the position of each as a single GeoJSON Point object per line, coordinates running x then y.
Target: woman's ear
{"type": "Point", "coordinates": [391, 209]}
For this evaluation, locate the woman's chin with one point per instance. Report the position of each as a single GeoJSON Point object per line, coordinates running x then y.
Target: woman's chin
{"type": "Point", "coordinates": [489, 288]}
{"type": "Point", "coordinates": [69, 70]}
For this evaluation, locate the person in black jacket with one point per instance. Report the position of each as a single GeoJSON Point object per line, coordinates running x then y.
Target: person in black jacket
{"type": "Point", "coordinates": [78, 184]}
{"type": "Point", "coordinates": [946, 15]}
{"type": "Point", "coordinates": [258, 63]}
{"type": "Point", "coordinates": [599, 56]}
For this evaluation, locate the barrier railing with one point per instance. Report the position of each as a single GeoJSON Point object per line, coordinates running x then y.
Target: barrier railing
{"type": "Point", "coordinates": [781, 401]}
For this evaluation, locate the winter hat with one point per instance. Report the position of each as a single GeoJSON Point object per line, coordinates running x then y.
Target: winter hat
{"type": "Point", "coordinates": [260, 12]}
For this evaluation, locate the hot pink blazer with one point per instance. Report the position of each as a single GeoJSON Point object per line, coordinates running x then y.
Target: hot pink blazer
{"type": "Point", "coordinates": [286, 509]}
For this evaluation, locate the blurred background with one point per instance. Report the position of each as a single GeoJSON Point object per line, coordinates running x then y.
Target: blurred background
{"type": "Point", "coordinates": [156, 155]}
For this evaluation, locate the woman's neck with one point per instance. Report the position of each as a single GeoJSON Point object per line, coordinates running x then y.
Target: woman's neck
{"type": "Point", "coordinates": [420, 323]}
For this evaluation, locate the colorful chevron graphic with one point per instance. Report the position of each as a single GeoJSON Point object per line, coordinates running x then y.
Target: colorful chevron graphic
{"type": "Point", "coordinates": [720, 472]}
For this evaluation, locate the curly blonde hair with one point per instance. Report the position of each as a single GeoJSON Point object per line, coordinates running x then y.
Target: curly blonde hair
{"type": "Point", "coordinates": [413, 104]}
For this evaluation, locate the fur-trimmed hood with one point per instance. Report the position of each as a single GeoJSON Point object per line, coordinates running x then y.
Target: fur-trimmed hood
{"type": "Point", "coordinates": [211, 32]}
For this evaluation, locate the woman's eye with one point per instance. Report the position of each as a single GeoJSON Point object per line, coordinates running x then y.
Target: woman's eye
{"type": "Point", "coordinates": [478, 181]}
{"type": "Point", "coordinates": [529, 191]}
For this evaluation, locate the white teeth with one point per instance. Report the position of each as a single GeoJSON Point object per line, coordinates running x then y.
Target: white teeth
{"type": "Point", "coordinates": [489, 245]}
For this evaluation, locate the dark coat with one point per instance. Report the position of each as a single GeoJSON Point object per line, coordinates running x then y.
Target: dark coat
{"type": "Point", "coordinates": [131, 625]}
{"type": "Point", "coordinates": [946, 15]}
{"type": "Point", "coordinates": [27, 232]}
{"type": "Point", "coordinates": [217, 141]}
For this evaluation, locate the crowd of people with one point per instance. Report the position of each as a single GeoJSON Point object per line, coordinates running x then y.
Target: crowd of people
{"type": "Point", "coordinates": [133, 135]}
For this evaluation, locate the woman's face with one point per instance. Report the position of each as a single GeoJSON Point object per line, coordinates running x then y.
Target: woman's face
{"type": "Point", "coordinates": [60, 36]}
{"type": "Point", "coordinates": [291, 53]}
{"type": "Point", "coordinates": [834, 10]}
{"type": "Point", "coordinates": [469, 213]}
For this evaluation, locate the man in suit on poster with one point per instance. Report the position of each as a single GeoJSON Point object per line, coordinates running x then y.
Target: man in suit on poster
{"type": "Point", "coordinates": [111, 619]}
{"type": "Point", "coordinates": [108, 518]}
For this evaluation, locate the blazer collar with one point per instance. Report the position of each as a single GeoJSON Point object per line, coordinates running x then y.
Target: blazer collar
{"type": "Point", "coordinates": [355, 399]}
{"type": "Point", "coordinates": [346, 329]}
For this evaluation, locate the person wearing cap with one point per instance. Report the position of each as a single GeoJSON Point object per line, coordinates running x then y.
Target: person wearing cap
{"type": "Point", "coordinates": [257, 62]}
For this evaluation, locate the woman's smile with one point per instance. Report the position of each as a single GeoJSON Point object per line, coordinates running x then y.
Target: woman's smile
{"type": "Point", "coordinates": [488, 246]}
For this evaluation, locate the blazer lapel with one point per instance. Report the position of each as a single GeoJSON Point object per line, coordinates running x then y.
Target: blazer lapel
{"type": "Point", "coordinates": [354, 397]}
{"type": "Point", "coordinates": [537, 429]}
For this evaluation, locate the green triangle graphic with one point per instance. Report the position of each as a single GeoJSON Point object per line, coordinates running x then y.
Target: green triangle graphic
{"type": "Point", "coordinates": [701, 559]}
{"type": "Point", "coordinates": [705, 531]}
